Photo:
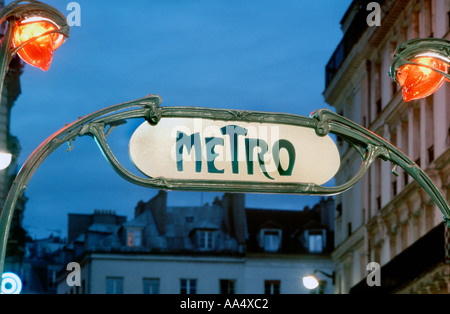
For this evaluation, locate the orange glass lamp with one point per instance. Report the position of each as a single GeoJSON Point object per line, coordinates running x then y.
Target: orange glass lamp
{"type": "Point", "coordinates": [34, 31]}
{"type": "Point", "coordinates": [37, 39]}
{"type": "Point", "coordinates": [421, 66]}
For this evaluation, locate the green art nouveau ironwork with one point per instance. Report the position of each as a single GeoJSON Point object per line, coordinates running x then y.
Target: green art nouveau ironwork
{"type": "Point", "coordinates": [100, 124]}
{"type": "Point", "coordinates": [20, 10]}
{"type": "Point", "coordinates": [411, 49]}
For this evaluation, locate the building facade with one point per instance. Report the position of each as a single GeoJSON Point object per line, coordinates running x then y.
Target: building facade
{"type": "Point", "coordinates": [389, 219]}
{"type": "Point", "coordinates": [40, 264]}
{"type": "Point", "coordinates": [219, 248]}
{"type": "Point", "coordinates": [10, 144]}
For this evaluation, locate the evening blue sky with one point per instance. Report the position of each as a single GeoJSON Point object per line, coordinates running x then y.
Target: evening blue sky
{"type": "Point", "coordinates": [250, 55]}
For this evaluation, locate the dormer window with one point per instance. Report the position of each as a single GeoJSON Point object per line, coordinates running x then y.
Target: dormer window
{"type": "Point", "coordinates": [271, 239]}
{"type": "Point", "coordinates": [315, 240]}
{"type": "Point", "coordinates": [315, 243]}
{"type": "Point", "coordinates": [205, 239]}
{"type": "Point", "coordinates": [134, 238]}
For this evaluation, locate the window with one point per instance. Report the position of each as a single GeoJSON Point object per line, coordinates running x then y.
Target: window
{"type": "Point", "coordinates": [52, 279]}
{"type": "Point", "coordinates": [315, 243]}
{"type": "Point", "coordinates": [448, 18]}
{"type": "Point", "coordinates": [430, 154]}
{"type": "Point", "coordinates": [429, 129]}
{"type": "Point", "coordinates": [134, 238]}
{"type": "Point", "coordinates": [378, 201]}
{"type": "Point", "coordinates": [151, 285]}
{"type": "Point", "coordinates": [272, 287]}
{"type": "Point", "coordinates": [405, 178]}
{"type": "Point", "coordinates": [114, 285]}
{"type": "Point", "coordinates": [188, 286]}
{"type": "Point", "coordinates": [394, 187]}
{"type": "Point", "coordinates": [271, 240]}
{"type": "Point", "coordinates": [428, 18]}
{"type": "Point", "coordinates": [339, 209]}
{"type": "Point", "coordinates": [227, 286]}
{"type": "Point", "coordinates": [395, 87]}
{"type": "Point", "coordinates": [379, 106]}
{"type": "Point", "coordinates": [205, 239]}
{"type": "Point", "coordinates": [415, 23]}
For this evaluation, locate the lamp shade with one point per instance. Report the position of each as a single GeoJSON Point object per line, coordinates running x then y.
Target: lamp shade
{"type": "Point", "coordinates": [421, 66]}
{"type": "Point", "coordinates": [419, 81]}
{"type": "Point", "coordinates": [38, 43]}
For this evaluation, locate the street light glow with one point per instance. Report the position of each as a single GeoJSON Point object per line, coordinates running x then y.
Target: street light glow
{"type": "Point", "coordinates": [310, 282]}
{"type": "Point", "coordinates": [39, 50]}
{"type": "Point", "coordinates": [421, 66]}
{"type": "Point", "coordinates": [419, 81]}
{"type": "Point", "coordinates": [5, 160]}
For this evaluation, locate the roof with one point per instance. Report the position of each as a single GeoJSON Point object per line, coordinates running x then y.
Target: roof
{"type": "Point", "coordinates": [102, 228]}
{"type": "Point", "coordinates": [289, 221]}
{"type": "Point", "coordinates": [171, 229]}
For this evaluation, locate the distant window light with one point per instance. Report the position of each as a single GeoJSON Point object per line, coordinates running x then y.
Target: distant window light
{"type": "Point", "coordinates": [151, 285]}
{"type": "Point", "coordinates": [188, 286]}
{"type": "Point", "coordinates": [134, 238]}
{"type": "Point", "coordinates": [271, 240]}
{"type": "Point", "coordinates": [130, 238]}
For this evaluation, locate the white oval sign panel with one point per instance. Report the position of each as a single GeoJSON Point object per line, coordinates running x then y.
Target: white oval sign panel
{"type": "Point", "coordinates": [204, 149]}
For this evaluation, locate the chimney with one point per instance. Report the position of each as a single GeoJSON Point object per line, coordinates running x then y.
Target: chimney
{"type": "Point", "coordinates": [158, 206]}
{"type": "Point", "coordinates": [235, 216]}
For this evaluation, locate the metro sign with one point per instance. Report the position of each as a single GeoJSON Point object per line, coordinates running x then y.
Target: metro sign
{"type": "Point", "coordinates": [230, 151]}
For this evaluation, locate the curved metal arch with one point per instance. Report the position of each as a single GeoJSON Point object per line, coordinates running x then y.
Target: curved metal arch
{"type": "Point", "coordinates": [358, 135]}
{"type": "Point", "coordinates": [100, 124]}
{"type": "Point", "coordinates": [138, 108]}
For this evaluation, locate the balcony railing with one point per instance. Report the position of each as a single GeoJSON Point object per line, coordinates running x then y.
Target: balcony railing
{"type": "Point", "coordinates": [354, 32]}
